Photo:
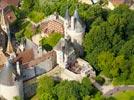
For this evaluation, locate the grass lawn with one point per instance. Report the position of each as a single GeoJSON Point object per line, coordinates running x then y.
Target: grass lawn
{"type": "Point", "coordinates": [34, 98]}
{"type": "Point", "coordinates": [49, 42]}
{"type": "Point", "coordinates": [36, 16]}
{"type": "Point", "coordinates": [126, 95]}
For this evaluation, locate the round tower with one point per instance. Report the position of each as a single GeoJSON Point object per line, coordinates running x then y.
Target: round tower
{"type": "Point", "coordinates": [11, 84]}
{"type": "Point", "coordinates": [76, 31]}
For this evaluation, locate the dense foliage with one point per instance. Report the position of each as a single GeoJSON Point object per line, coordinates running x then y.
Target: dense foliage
{"type": "Point", "coordinates": [109, 45]}
{"type": "Point", "coordinates": [36, 10]}
{"type": "Point", "coordinates": [36, 16]}
{"type": "Point", "coordinates": [26, 31]}
{"type": "Point", "coordinates": [48, 89]}
{"type": "Point", "coordinates": [48, 7]}
{"type": "Point", "coordinates": [109, 39]}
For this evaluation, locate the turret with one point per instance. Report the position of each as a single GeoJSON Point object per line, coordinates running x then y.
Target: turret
{"type": "Point", "coordinates": [11, 84]}
{"type": "Point", "coordinates": [9, 49]}
{"type": "Point", "coordinates": [66, 22]}
{"type": "Point", "coordinates": [67, 15]}
{"type": "Point", "coordinates": [4, 24]}
{"type": "Point", "coordinates": [5, 28]}
{"type": "Point", "coordinates": [76, 15]}
{"type": "Point", "coordinates": [79, 25]}
{"type": "Point", "coordinates": [76, 31]}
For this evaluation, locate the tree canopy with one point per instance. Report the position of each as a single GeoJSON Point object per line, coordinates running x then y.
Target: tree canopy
{"type": "Point", "coordinates": [48, 89]}
{"type": "Point", "coordinates": [109, 45]}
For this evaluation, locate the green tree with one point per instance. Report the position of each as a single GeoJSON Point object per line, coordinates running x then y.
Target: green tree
{"type": "Point", "coordinates": [105, 60]}
{"type": "Point", "coordinates": [49, 42]}
{"type": "Point", "coordinates": [45, 88]}
{"type": "Point", "coordinates": [66, 90]}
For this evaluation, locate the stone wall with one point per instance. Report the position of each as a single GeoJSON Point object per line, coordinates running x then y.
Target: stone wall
{"type": "Point", "coordinates": [39, 65]}
{"type": "Point", "coordinates": [9, 92]}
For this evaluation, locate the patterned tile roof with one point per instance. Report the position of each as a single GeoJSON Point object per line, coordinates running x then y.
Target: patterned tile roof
{"type": "Point", "coordinates": [12, 2]}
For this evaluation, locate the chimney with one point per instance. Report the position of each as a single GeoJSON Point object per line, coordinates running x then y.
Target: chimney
{"type": "Point", "coordinates": [72, 22]}
{"type": "Point", "coordinates": [18, 68]}
{"type": "Point", "coordinates": [56, 16]}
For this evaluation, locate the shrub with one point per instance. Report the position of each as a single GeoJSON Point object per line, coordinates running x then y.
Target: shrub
{"type": "Point", "coordinates": [100, 80]}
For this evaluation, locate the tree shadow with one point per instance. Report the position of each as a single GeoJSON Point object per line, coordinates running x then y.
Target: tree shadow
{"type": "Point", "coordinates": [47, 47]}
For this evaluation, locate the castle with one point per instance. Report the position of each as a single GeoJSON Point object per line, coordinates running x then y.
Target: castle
{"type": "Point", "coordinates": [30, 60]}
{"type": "Point", "coordinates": [11, 84]}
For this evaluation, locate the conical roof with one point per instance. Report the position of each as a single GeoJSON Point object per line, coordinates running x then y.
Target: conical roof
{"type": "Point", "coordinates": [67, 15]}
{"type": "Point", "coordinates": [3, 58]}
{"type": "Point", "coordinates": [64, 45]}
{"type": "Point", "coordinates": [3, 22]}
{"type": "Point", "coordinates": [9, 49]}
{"type": "Point", "coordinates": [79, 24]}
{"type": "Point", "coordinates": [76, 14]}
{"type": "Point", "coordinates": [7, 76]}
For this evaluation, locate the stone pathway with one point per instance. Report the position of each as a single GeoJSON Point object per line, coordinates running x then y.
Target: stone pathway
{"type": "Point", "coordinates": [108, 90]}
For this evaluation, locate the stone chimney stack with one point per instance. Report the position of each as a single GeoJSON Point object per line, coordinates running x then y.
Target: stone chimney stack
{"type": "Point", "coordinates": [18, 68]}
{"type": "Point", "coordinates": [72, 22]}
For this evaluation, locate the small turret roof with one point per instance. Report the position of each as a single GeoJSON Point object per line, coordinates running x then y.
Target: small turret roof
{"type": "Point", "coordinates": [9, 48]}
{"type": "Point", "coordinates": [64, 46]}
{"type": "Point", "coordinates": [79, 24]}
{"type": "Point", "coordinates": [67, 15]}
{"type": "Point", "coordinates": [76, 14]}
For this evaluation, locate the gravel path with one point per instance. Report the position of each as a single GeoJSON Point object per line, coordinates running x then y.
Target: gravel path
{"type": "Point", "coordinates": [108, 90]}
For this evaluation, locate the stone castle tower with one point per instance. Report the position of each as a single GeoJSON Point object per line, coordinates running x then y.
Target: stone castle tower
{"type": "Point", "coordinates": [75, 29]}
{"type": "Point", "coordinates": [5, 27]}
{"type": "Point", "coordinates": [11, 84]}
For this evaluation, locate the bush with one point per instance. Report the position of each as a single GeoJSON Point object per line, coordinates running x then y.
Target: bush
{"type": "Point", "coordinates": [100, 80]}
{"type": "Point", "coordinates": [36, 16]}
{"type": "Point", "coordinates": [49, 42]}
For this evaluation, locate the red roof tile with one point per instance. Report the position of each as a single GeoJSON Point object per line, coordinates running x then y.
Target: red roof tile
{"type": "Point", "coordinates": [25, 56]}
{"type": "Point", "coordinates": [12, 2]}
{"type": "Point", "coordinates": [118, 2]}
{"type": "Point", "coordinates": [3, 5]}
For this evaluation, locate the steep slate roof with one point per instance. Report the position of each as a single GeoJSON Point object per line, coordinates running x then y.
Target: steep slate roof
{"type": "Point", "coordinates": [67, 15]}
{"type": "Point", "coordinates": [12, 2]}
{"type": "Point", "coordinates": [79, 25]}
{"type": "Point", "coordinates": [31, 45]}
{"type": "Point", "coordinates": [7, 75]}
{"type": "Point", "coordinates": [64, 45]}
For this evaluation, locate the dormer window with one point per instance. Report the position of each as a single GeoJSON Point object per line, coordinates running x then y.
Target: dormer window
{"type": "Point", "coordinates": [9, 17]}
